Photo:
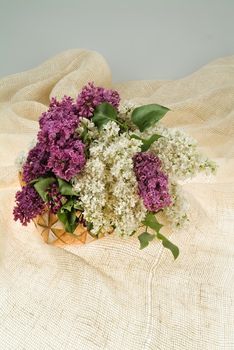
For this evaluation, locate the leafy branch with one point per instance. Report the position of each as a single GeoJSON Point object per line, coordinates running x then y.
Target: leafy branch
{"type": "Point", "coordinates": [145, 237]}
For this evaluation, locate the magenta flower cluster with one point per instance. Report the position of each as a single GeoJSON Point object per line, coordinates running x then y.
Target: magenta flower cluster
{"type": "Point", "coordinates": [28, 205]}
{"type": "Point", "coordinates": [58, 149]}
{"type": "Point", "coordinates": [59, 123]}
{"type": "Point", "coordinates": [37, 162]}
{"type": "Point", "coordinates": [92, 96]}
{"type": "Point", "coordinates": [68, 160]}
{"type": "Point", "coordinates": [152, 182]}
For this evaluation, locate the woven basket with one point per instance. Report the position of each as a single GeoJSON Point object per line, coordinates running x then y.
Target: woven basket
{"type": "Point", "coordinates": [52, 230]}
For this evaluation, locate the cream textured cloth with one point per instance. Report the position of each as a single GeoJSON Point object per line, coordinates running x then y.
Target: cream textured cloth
{"type": "Point", "coordinates": [109, 294]}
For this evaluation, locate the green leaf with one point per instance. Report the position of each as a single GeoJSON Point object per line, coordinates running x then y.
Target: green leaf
{"type": "Point", "coordinates": [67, 214]}
{"type": "Point", "coordinates": [145, 238]}
{"type": "Point", "coordinates": [151, 221]}
{"type": "Point", "coordinates": [62, 215]}
{"type": "Point", "coordinates": [103, 114]}
{"type": "Point", "coordinates": [145, 116]}
{"type": "Point", "coordinates": [68, 205]}
{"type": "Point", "coordinates": [41, 186]}
{"type": "Point", "coordinates": [71, 204]}
{"type": "Point", "coordinates": [69, 219]}
{"type": "Point", "coordinates": [66, 188]}
{"type": "Point", "coordinates": [134, 136]}
{"type": "Point", "coordinates": [169, 245]}
{"type": "Point", "coordinates": [89, 226]}
{"type": "Point", "coordinates": [32, 182]}
{"type": "Point", "coordinates": [78, 206]}
{"type": "Point", "coordinates": [146, 143]}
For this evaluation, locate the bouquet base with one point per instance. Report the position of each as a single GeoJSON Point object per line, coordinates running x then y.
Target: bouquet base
{"type": "Point", "coordinates": [52, 231]}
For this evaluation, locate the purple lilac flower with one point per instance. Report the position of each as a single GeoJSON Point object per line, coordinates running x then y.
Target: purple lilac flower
{"type": "Point", "coordinates": [36, 163]}
{"type": "Point", "coordinates": [28, 205]}
{"type": "Point", "coordinates": [69, 160]}
{"type": "Point", "coordinates": [152, 182]}
{"type": "Point", "coordinates": [59, 123]}
{"type": "Point", "coordinates": [91, 96]}
{"type": "Point", "coordinates": [55, 201]}
{"type": "Point", "coordinates": [57, 149]}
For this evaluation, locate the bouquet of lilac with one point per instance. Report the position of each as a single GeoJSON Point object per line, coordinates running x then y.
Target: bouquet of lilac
{"type": "Point", "coordinates": [108, 167]}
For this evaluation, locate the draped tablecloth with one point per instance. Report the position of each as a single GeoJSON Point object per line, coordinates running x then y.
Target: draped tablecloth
{"type": "Point", "coordinates": [109, 294]}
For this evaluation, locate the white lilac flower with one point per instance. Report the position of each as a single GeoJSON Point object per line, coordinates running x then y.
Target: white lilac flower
{"type": "Point", "coordinates": [108, 187]}
{"type": "Point", "coordinates": [127, 107]}
{"type": "Point", "coordinates": [179, 153]}
{"type": "Point", "coordinates": [89, 126]}
{"type": "Point", "coordinates": [176, 213]}
{"type": "Point", "coordinates": [125, 112]}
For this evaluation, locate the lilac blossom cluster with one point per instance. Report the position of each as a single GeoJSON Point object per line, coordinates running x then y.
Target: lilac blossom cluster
{"type": "Point", "coordinates": [36, 163]}
{"type": "Point", "coordinates": [28, 205]}
{"type": "Point", "coordinates": [58, 149]}
{"type": "Point", "coordinates": [152, 182]}
{"type": "Point", "coordinates": [92, 96]}
{"type": "Point", "coordinates": [69, 160]}
{"type": "Point", "coordinates": [59, 122]}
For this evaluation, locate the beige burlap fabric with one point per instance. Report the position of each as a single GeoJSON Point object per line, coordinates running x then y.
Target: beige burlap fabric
{"type": "Point", "coordinates": [108, 294]}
